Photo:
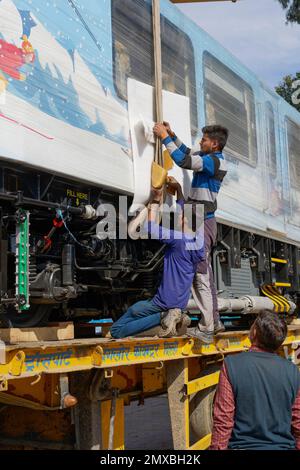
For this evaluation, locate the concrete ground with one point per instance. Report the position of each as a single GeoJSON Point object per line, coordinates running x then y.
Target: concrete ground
{"type": "Point", "coordinates": [148, 427]}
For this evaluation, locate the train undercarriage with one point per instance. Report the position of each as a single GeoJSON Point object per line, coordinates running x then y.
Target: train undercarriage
{"type": "Point", "coordinates": [54, 266]}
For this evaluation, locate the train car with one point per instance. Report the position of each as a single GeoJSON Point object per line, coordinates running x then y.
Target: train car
{"type": "Point", "coordinates": [66, 149]}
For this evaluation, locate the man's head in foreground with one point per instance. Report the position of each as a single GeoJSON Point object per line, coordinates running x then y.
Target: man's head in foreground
{"type": "Point", "coordinates": [268, 331]}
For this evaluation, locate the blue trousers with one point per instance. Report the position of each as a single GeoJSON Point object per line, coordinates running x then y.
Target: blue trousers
{"type": "Point", "coordinates": [141, 316]}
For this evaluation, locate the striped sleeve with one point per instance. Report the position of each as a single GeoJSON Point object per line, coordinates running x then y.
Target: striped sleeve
{"type": "Point", "coordinates": [180, 155]}
{"type": "Point", "coordinates": [183, 157]}
{"type": "Point", "coordinates": [181, 145]}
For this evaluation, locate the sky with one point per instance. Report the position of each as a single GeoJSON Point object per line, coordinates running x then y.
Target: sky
{"type": "Point", "coordinates": [255, 31]}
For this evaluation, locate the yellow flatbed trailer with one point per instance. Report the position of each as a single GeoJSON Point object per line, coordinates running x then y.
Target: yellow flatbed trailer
{"type": "Point", "coordinates": [41, 381]}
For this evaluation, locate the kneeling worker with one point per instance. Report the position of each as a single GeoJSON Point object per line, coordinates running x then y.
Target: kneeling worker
{"type": "Point", "coordinates": [184, 251]}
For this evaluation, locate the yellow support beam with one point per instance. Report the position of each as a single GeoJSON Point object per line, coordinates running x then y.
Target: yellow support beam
{"type": "Point", "coordinates": [203, 444]}
{"type": "Point", "coordinates": [119, 424]}
{"type": "Point", "coordinates": [203, 382]}
{"type": "Point", "coordinates": [31, 359]}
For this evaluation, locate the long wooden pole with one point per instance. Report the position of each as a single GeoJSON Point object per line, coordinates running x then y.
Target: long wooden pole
{"type": "Point", "coordinates": [158, 74]}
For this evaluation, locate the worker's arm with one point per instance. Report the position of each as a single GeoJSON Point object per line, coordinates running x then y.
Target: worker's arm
{"type": "Point", "coordinates": [224, 409]}
{"type": "Point", "coordinates": [154, 204]}
{"type": "Point", "coordinates": [296, 421]}
{"type": "Point", "coordinates": [177, 154]}
{"type": "Point", "coordinates": [155, 230]}
{"type": "Point", "coordinates": [180, 145]}
{"type": "Point", "coordinates": [173, 184]}
{"type": "Point", "coordinates": [208, 164]}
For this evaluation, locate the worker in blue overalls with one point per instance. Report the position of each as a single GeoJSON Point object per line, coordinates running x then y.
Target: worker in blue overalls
{"type": "Point", "coordinates": [184, 251]}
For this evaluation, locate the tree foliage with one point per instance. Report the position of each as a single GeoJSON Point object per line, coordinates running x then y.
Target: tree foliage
{"type": "Point", "coordinates": [289, 88]}
{"type": "Point", "coordinates": [292, 8]}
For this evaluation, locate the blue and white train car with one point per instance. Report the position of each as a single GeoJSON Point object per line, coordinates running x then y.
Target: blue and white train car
{"type": "Point", "coordinates": [65, 139]}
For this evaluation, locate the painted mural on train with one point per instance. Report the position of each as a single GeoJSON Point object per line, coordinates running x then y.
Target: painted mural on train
{"type": "Point", "coordinates": [57, 56]}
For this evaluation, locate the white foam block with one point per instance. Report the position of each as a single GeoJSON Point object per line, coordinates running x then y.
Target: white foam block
{"type": "Point", "coordinates": [176, 110]}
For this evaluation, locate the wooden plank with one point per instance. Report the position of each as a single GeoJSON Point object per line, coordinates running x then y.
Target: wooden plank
{"type": "Point", "coordinates": [53, 332]}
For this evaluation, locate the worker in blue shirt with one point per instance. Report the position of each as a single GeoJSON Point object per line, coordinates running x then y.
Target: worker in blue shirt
{"type": "Point", "coordinates": [209, 167]}
{"type": "Point", "coordinates": [184, 251]}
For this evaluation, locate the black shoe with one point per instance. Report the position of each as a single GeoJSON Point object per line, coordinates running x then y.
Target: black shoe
{"type": "Point", "coordinates": [204, 337]}
{"type": "Point", "coordinates": [219, 327]}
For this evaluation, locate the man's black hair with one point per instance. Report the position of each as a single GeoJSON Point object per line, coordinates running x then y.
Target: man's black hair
{"type": "Point", "coordinates": [271, 330]}
{"type": "Point", "coordinates": [218, 133]}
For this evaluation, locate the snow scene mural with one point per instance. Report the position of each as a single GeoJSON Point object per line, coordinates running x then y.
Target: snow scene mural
{"type": "Point", "coordinates": [56, 55]}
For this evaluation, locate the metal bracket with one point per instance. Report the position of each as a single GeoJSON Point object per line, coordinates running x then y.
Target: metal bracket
{"type": "Point", "coordinates": [17, 363]}
{"type": "Point", "coordinates": [108, 373]}
{"type": "Point", "coordinates": [3, 385]}
{"type": "Point", "coordinates": [97, 356]}
{"type": "Point", "coordinates": [187, 348]}
{"type": "Point", "coordinates": [66, 399]}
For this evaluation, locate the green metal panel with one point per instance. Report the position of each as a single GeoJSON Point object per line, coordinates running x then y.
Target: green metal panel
{"type": "Point", "coordinates": [22, 259]}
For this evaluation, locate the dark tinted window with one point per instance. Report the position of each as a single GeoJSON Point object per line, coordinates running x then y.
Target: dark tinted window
{"type": "Point", "coordinates": [229, 101]}
{"type": "Point", "coordinates": [133, 52]}
{"type": "Point", "coordinates": [271, 139]}
{"type": "Point", "coordinates": [293, 140]}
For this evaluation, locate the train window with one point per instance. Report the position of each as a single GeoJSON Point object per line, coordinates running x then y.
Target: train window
{"type": "Point", "coordinates": [229, 101]}
{"type": "Point", "coordinates": [271, 139]}
{"type": "Point", "coordinates": [293, 141]}
{"type": "Point", "coordinates": [133, 52]}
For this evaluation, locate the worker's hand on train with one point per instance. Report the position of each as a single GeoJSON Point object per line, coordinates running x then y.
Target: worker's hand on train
{"type": "Point", "coordinates": [160, 131]}
{"type": "Point", "coordinates": [168, 129]}
{"type": "Point", "coordinates": [172, 183]}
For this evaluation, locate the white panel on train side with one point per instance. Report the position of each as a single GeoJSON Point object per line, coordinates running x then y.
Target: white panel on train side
{"type": "Point", "coordinates": [141, 110]}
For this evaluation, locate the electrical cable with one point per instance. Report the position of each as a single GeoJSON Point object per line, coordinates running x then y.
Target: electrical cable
{"type": "Point", "coordinates": [86, 26]}
{"type": "Point", "coordinates": [61, 216]}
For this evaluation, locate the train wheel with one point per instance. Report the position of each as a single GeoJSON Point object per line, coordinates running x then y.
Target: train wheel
{"type": "Point", "coordinates": [201, 408]}
{"type": "Point", "coordinates": [37, 315]}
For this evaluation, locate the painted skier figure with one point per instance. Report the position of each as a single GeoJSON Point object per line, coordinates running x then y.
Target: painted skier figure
{"type": "Point", "coordinates": [12, 58]}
